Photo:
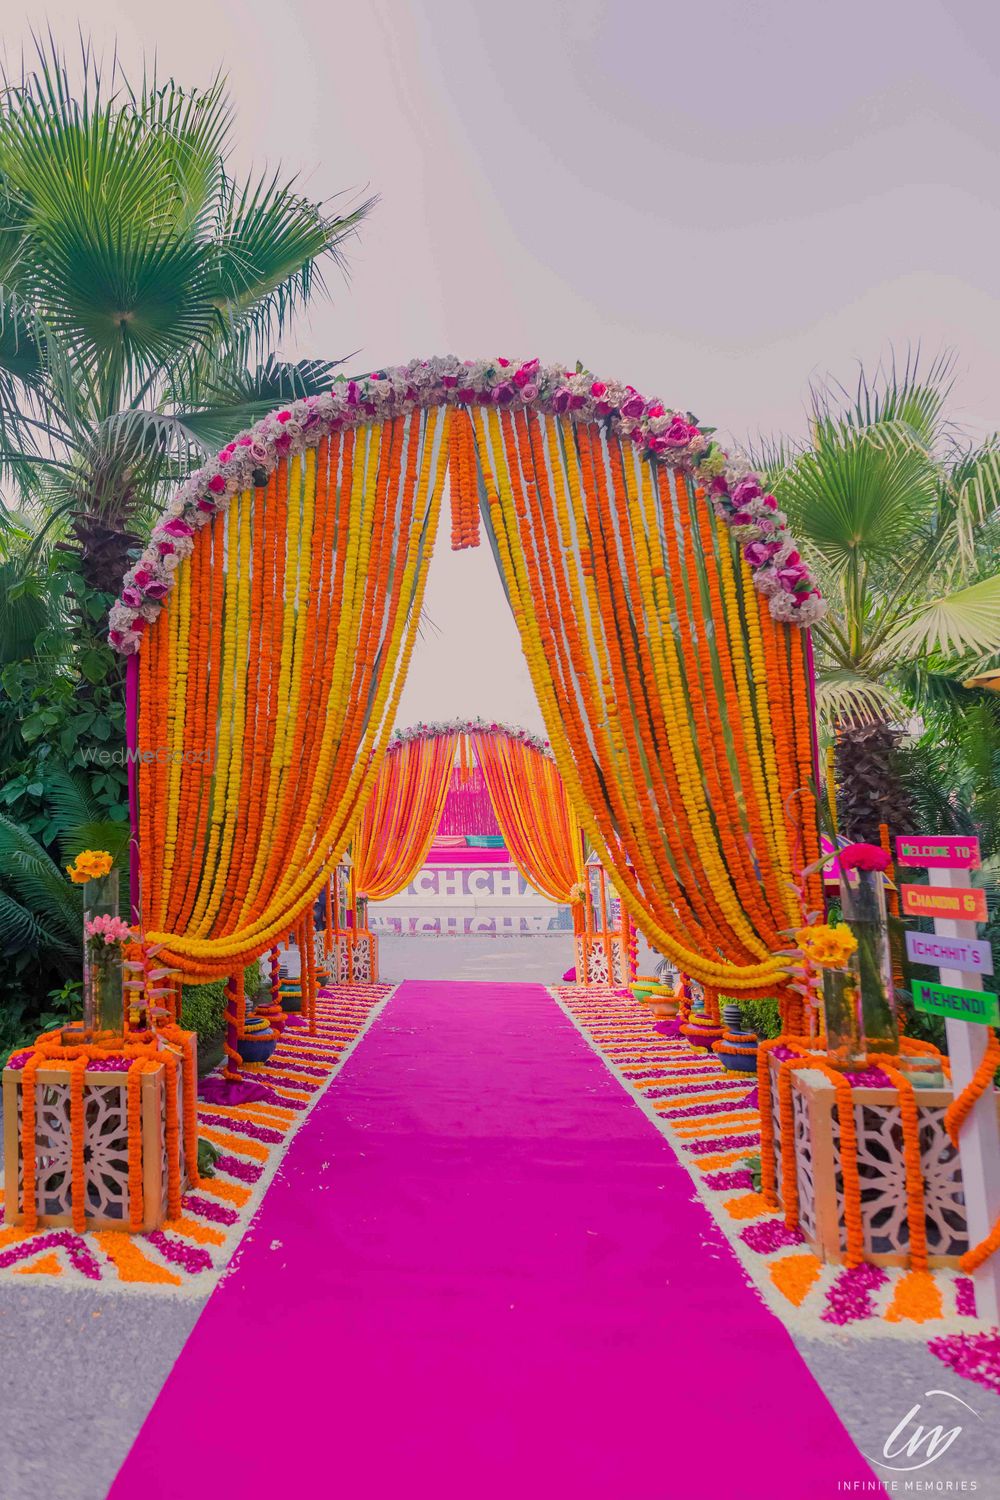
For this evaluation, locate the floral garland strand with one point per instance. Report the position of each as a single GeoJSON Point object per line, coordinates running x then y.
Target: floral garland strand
{"type": "Point", "coordinates": [659, 434]}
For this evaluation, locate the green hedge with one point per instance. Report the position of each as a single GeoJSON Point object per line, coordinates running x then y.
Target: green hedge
{"type": "Point", "coordinates": [203, 1007]}
{"type": "Point", "coordinates": [761, 1016]}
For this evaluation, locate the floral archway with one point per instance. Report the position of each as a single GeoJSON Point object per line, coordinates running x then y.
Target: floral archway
{"type": "Point", "coordinates": [520, 780]}
{"type": "Point", "coordinates": [663, 612]}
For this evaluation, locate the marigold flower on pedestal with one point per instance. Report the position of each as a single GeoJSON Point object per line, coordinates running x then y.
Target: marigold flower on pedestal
{"type": "Point", "coordinates": [828, 947]}
{"type": "Point", "coordinates": [90, 864]}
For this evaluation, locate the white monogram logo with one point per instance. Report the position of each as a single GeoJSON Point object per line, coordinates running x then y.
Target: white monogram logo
{"type": "Point", "coordinates": [910, 1439]}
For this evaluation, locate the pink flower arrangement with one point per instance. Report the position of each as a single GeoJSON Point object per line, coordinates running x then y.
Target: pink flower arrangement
{"type": "Point", "coordinates": [863, 857]}
{"type": "Point", "coordinates": [108, 930]}
{"type": "Point", "coordinates": [659, 433]}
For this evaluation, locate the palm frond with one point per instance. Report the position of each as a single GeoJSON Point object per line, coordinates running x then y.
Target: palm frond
{"type": "Point", "coordinates": [846, 695]}
{"type": "Point", "coordinates": [37, 883]}
{"type": "Point", "coordinates": [22, 931]}
{"type": "Point", "coordinates": [972, 493]}
{"type": "Point", "coordinates": [858, 493]}
{"type": "Point", "coordinates": [900, 394]}
{"type": "Point", "coordinates": [234, 398]}
{"type": "Point", "coordinates": [71, 800]}
{"type": "Point", "coordinates": [958, 624]}
{"type": "Point", "coordinates": [270, 246]}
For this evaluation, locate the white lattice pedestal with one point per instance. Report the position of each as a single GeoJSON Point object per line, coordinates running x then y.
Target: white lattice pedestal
{"type": "Point", "coordinates": [106, 1163]}
{"type": "Point", "coordinates": [601, 958]}
{"type": "Point", "coordinates": [356, 957]}
{"type": "Point", "coordinates": [880, 1166]}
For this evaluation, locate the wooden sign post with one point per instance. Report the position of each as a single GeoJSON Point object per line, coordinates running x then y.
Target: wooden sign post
{"type": "Point", "coordinates": [949, 861]}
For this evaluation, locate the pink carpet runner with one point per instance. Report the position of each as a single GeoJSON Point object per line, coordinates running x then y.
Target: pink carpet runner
{"type": "Point", "coordinates": [481, 1273]}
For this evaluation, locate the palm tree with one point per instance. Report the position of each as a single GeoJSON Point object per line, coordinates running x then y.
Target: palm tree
{"type": "Point", "coordinates": [897, 510]}
{"type": "Point", "coordinates": [141, 286]}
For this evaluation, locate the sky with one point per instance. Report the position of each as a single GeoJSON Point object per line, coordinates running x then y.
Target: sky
{"type": "Point", "coordinates": [715, 202]}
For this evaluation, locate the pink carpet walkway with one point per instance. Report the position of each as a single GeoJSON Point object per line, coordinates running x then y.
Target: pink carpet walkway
{"type": "Point", "coordinates": [480, 1273]}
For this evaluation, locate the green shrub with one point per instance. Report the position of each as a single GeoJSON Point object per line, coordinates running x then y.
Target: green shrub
{"type": "Point", "coordinates": [761, 1016]}
{"type": "Point", "coordinates": [203, 1007]}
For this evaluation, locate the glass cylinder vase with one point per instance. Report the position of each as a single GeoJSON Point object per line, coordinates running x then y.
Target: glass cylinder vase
{"type": "Point", "coordinates": [842, 1020]}
{"type": "Point", "coordinates": [103, 992]}
{"type": "Point", "coordinates": [862, 899]}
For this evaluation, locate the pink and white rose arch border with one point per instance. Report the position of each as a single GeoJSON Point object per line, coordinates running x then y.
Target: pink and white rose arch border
{"type": "Point", "coordinates": [661, 434]}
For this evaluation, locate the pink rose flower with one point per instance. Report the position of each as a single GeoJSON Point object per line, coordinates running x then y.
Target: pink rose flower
{"type": "Point", "coordinates": [633, 407]}
{"type": "Point", "coordinates": [217, 484]}
{"type": "Point", "coordinates": [748, 489]}
{"type": "Point", "coordinates": [598, 388]}
{"type": "Point", "coordinates": [863, 857]}
{"type": "Point", "coordinates": [757, 553]}
{"type": "Point", "coordinates": [679, 434]}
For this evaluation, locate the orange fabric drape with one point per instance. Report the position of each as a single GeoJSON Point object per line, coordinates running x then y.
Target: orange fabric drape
{"type": "Point", "coordinates": [268, 687]}
{"type": "Point", "coordinates": [398, 825]}
{"type": "Point", "coordinates": [539, 827]}
{"type": "Point", "coordinates": [677, 708]}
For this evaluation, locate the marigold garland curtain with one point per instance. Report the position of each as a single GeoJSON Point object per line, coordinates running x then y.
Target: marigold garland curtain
{"type": "Point", "coordinates": [538, 824]}
{"type": "Point", "coordinates": [268, 687]}
{"type": "Point", "coordinates": [398, 824]}
{"type": "Point", "coordinates": [676, 707]}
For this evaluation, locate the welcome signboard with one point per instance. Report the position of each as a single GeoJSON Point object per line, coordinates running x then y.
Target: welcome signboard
{"type": "Point", "coordinates": [968, 955]}
{"type": "Point", "coordinates": [959, 904]}
{"type": "Point", "coordinates": [933, 853]}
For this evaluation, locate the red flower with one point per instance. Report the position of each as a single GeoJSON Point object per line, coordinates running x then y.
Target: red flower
{"type": "Point", "coordinates": [863, 857]}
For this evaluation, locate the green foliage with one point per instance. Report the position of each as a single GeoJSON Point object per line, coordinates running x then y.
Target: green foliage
{"type": "Point", "coordinates": [62, 709]}
{"type": "Point", "coordinates": [202, 1010]}
{"type": "Point", "coordinates": [142, 285]}
{"type": "Point", "coordinates": [203, 1006]}
{"type": "Point", "coordinates": [753, 1165]}
{"type": "Point", "coordinates": [897, 512]}
{"type": "Point", "coordinates": [20, 1024]}
{"type": "Point", "coordinates": [761, 1016]}
{"type": "Point", "coordinates": [208, 1155]}
{"type": "Point", "coordinates": [41, 913]}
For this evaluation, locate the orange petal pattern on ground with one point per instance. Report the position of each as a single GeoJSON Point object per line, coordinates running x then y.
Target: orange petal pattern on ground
{"type": "Point", "coordinates": [795, 1275]}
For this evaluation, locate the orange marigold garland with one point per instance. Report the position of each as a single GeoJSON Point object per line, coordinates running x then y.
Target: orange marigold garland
{"type": "Point", "coordinates": [135, 1190]}
{"type": "Point", "coordinates": [29, 1190]}
{"type": "Point", "coordinates": [172, 1136]}
{"type": "Point", "coordinates": [955, 1116]}
{"type": "Point", "coordinates": [78, 1182]}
